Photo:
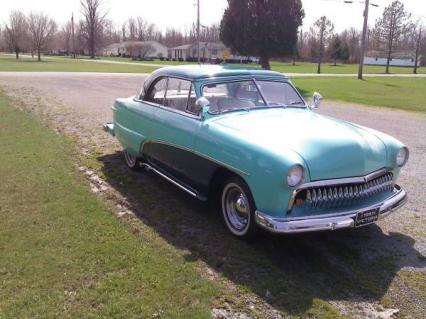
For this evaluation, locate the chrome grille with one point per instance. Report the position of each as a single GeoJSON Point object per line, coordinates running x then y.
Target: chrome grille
{"type": "Point", "coordinates": [341, 195]}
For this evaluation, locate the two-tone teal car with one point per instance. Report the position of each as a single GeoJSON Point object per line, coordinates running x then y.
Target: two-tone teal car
{"type": "Point", "coordinates": [248, 137]}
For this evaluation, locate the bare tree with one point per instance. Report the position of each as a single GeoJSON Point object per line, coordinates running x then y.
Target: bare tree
{"type": "Point", "coordinates": [417, 37]}
{"type": "Point", "coordinates": [92, 23]}
{"type": "Point", "coordinates": [124, 32]}
{"type": "Point", "coordinates": [64, 37]}
{"type": "Point", "coordinates": [142, 26]}
{"type": "Point", "coordinates": [391, 26]}
{"type": "Point", "coordinates": [16, 31]}
{"type": "Point", "coordinates": [112, 34]}
{"type": "Point", "coordinates": [337, 49]}
{"type": "Point", "coordinates": [351, 37]}
{"type": "Point", "coordinates": [132, 27]}
{"type": "Point", "coordinates": [41, 30]}
{"type": "Point", "coordinates": [323, 29]}
{"type": "Point", "coordinates": [173, 37]}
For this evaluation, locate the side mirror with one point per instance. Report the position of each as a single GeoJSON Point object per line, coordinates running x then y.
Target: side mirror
{"type": "Point", "coordinates": [202, 105]}
{"type": "Point", "coordinates": [316, 98]}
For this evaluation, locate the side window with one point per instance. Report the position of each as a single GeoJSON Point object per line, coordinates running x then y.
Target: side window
{"type": "Point", "coordinates": [177, 94]}
{"type": "Point", "coordinates": [156, 93]}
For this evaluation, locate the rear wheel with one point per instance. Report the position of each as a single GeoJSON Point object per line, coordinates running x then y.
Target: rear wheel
{"type": "Point", "coordinates": [238, 209]}
{"type": "Point", "coordinates": [132, 161]}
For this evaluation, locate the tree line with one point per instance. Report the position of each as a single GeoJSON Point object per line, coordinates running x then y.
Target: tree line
{"type": "Point", "coordinates": [264, 28]}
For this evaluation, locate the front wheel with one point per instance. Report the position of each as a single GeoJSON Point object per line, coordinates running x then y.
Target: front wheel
{"type": "Point", "coordinates": [238, 209]}
{"type": "Point", "coordinates": [132, 161]}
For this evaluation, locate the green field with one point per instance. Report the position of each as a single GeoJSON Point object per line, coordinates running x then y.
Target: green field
{"type": "Point", "coordinates": [66, 64]}
{"type": "Point", "coordinates": [305, 67]}
{"type": "Point", "coordinates": [300, 67]}
{"type": "Point", "coordinates": [27, 64]}
{"type": "Point", "coordinates": [65, 254]}
{"type": "Point", "coordinates": [400, 93]}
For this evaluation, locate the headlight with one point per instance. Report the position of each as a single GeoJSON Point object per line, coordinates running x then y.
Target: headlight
{"type": "Point", "coordinates": [295, 175]}
{"type": "Point", "coordinates": [402, 156]}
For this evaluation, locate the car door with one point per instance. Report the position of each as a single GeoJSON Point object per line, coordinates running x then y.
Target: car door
{"type": "Point", "coordinates": [136, 119]}
{"type": "Point", "coordinates": [174, 130]}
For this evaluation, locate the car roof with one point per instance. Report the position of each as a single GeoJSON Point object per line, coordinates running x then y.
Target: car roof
{"type": "Point", "coordinates": [198, 72]}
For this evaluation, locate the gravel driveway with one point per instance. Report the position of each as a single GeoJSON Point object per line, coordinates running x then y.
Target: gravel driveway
{"type": "Point", "coordinates": [80, 103]}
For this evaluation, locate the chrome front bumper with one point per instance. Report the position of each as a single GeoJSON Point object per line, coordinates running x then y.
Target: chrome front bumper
{"type": "Point", "coordinates": [342, 219]}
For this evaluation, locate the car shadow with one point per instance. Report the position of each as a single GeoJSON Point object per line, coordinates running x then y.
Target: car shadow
{"type": "Point", "coordinates": [288, 272]}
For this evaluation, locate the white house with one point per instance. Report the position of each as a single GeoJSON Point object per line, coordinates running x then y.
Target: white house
{"type": "Point", "coordinates": [398, 59]}
{"type": "Point", "coordinates": [208, 51]}
{"type": "Point", "coordinates": [144, 49]}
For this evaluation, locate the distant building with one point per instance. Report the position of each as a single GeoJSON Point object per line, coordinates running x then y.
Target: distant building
{"type": "Point", "coordinates": [209, 51]}
{"type": "Point", "coordinates": [136, 49]}
{"type": "Point", "coordinates": [403, 59]}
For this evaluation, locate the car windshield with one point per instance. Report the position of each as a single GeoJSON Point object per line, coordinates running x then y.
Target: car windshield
{"type": "Point", "coordinates": [230, 96]}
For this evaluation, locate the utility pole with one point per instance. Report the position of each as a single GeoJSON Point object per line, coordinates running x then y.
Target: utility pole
{"type": "Point", "coordinates": [363, 44]}
{"type": "Point", "coordinates": [72, 34]}
{"type": "Point", "coordinates": [198, 31]}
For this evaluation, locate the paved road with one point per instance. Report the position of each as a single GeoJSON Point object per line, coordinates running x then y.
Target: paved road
{"type": "Point", "coordinates": [80, 103]}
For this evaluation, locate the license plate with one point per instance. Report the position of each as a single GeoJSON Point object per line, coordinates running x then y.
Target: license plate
{"type": "Point", "coordinates": [367, 217]}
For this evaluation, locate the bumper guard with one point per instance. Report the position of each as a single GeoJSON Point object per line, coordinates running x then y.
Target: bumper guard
{"type": "Point", "coordinates": [342, 219]}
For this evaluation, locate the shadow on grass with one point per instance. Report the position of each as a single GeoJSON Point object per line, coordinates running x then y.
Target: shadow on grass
{"type": "Point", "coordinates": [289, 272]}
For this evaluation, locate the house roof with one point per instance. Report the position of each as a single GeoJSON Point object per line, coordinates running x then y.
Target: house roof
{"type": "Point", "coordinates": [395, 55]}
{"type": "Point", "coordinates": [210, 45]}
{"type": "Point", "coordinates": [197, 72]}
{"type": "Point", "coordinates": [182, 47]}
{"type": "Point", "coordinates": [155, 44]}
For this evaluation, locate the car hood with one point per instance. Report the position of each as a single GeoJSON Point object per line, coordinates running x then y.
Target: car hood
{"type": "Point", "coordinates": [331, 148]}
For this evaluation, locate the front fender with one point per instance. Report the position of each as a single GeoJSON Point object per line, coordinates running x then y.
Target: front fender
{"type": "Point", "coordinates": [262, 169]}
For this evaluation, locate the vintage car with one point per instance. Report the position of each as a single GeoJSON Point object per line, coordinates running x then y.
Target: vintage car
{"type": "Point", "coordinates": [248, 138]}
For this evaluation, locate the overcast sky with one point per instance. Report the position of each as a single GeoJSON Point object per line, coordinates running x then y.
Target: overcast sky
{"type": "Point", "coordinates": [181, 13]}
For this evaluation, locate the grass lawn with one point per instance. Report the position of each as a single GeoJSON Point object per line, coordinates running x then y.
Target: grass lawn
{"type": "Point", "coordinates": [64, 253]}
{"type": "Point", "coordinates": [65, 64]}
{"type": "Point", "coordinates": [27, 64]}
{"type": "Point", "coordinates": [306, 67]}
{"type": "Point", "coordinates": [300, 67]}
{"type": "Point", "coordinates": [400, 93]}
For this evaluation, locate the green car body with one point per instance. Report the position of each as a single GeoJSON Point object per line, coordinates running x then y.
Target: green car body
{"type": "Point", "coordinates": [350, 168]}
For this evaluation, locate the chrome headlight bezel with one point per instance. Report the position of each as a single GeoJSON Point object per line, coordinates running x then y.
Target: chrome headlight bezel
{"type": "Point", "coordinates": [402, 156]}
{"type": "Point", "coordinates": [295, 175]}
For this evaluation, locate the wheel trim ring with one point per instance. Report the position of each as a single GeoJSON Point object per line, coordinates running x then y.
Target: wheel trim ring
{"type": "Point", "coordinates": [130, 159]}
{"type": "Point", "coordinates": [236, 221]}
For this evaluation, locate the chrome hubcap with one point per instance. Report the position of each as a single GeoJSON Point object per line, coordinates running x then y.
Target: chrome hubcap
{"type": "Point", "coordinates": [236, 208]}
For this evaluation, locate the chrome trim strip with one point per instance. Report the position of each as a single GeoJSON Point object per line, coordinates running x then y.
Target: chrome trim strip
{"type": "Point", "coordinates": [375, 174]}
{"type": "Point", "coordinates": [190, 192]}
{"type": "Point", "coordinates": [236, 170]}
{"type": "Point", "coordinates": [336, 181]}
{"type": "Point", "coordinates": [344, 219]}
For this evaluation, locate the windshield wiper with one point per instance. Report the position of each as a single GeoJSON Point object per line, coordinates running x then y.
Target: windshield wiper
{"type": "Point", "coordinates": [295, 104]}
